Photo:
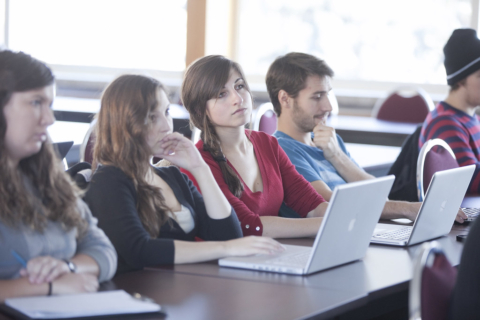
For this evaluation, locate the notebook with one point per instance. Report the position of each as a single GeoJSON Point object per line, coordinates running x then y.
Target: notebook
{"type": "Point", "coordinates": [81, 305]}
{"type": "Point", "coordinates": [437, 213]}
{"type": "Point", "coordinates": [343, 236]}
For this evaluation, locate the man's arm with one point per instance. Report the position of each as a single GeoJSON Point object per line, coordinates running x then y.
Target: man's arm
{"type": "Point", "coordinates": [325, 138]}
{"type": "Point", "coordinates": [348, 169]}
{"type": "Point", "coordinates": [322, 189]}
{"type": "Point", "coordinates": [392, 209]}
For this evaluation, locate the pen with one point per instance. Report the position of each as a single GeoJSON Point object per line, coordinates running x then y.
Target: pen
{"type": "Point", "coordinates": [19, 258]}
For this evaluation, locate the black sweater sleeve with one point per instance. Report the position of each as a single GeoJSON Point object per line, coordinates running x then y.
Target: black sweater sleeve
{"type": "Point", "coordinates": [208, 228]}
{"type": "Point", "coordinates": [466, 295]}
{"type": "Point", "coordinates": [112, 199]}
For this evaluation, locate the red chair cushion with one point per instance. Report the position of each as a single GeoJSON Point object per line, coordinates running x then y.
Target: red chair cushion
{"type": "Point", "coordinates": [89, 149]}
{"type": "Point", "coordinates": [438, 282]}
{"type": "Point", "coordinates": [437, 159]}
{"type": "Point", "coordinates": [403, 109]}
{"type": "Point", "coordinates": [268, 122]}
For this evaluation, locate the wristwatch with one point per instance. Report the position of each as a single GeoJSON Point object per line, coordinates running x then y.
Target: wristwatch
{"type": "Point", "coordinates": [71, 265]}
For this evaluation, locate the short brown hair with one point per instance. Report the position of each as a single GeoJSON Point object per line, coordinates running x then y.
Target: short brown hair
{"type": "Point", "coordinates": [290, 72]}
{"type": "Point", "coordinates": [457, 85]}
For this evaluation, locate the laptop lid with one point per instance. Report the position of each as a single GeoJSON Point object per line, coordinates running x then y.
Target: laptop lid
{"type": "Point", "coordinates": [442, 201]}
{"type": "Point", "coordinates": [343, 236]}
{"type": "Point", "coordinates": [348, 224]}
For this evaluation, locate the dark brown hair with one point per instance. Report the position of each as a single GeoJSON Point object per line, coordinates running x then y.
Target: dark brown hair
{"type": "Point", "coordinates": [54, 196]}
{"type": "Point", "coordinates": [457, 85]}
{"type": "Point", "coordinates": [290, 73]}
{"type": "Point", "coordinates": [121, 129]}
{"type": "Point", "coordinates": [204, 79]}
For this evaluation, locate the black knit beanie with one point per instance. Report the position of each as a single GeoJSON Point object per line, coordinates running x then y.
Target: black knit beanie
{"type": "Point", "coordinates": [462, 55]}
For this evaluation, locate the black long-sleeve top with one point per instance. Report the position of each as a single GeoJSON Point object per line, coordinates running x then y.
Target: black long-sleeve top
{"type": "Point", "coordinates": [466, 294]}
{"type": "Point", "coordinates": [112, 199]}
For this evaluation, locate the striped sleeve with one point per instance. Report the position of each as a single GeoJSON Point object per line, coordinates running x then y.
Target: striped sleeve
{"type": "Point", "coordinates": [458, 138]}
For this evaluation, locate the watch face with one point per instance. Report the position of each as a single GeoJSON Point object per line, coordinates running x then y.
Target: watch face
{"type": "Point", "coordinates": [71, 266]}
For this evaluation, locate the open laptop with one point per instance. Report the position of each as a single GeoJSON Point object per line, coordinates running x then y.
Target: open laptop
{"type": "Point", "coordinates": [471, 213]}
{"type": "Point", "coordinates": [343, 236]}
{"type": "Point", "coordinates": [437, 213]}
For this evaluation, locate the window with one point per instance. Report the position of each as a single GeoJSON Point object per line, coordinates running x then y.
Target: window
{"type": "Point", "coordinates": [370, 40]}
{"type": "Point", "coordinates": [141, 34]}
{"type": "Point", "coordinates": [2, 23]}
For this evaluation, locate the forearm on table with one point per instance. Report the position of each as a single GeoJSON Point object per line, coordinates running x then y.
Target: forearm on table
{"type": "Point", "coordinates": [348, 170]}
{"type": "Point", "coordinates": [319, 211]}
{"type": "Point", "coordinates": [216, 204]}
{"type": "Point", "coordinates": [86, 264]}
{"type": "Point", "coordinates": [21, 287]}
{"type": "Point", "coordinates": [400, 209]}
{"type": "Point", "coordinates": [322, 189]}
{"type": "Point", "coordinates": [277, 227]}
{"type": "Point", "coordinates": [190, 252]}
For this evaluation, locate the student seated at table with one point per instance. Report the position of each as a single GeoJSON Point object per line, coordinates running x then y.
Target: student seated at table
{"type": "Point", "coordinates": [152, 215]}
{"type": "Point", "coordinates": [454, 119]}
{"type": "Point", "coordinates": [298, 85]}
{"type": "Point", "coordinates": [250, 167]}
{"type": "Point", "coordinates": [49, 241]}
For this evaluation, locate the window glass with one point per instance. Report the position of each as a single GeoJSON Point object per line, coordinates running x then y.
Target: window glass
{"type": "Point", "coordinates": [2, 23]}
{"type": "Point", "coordinates": [143, 34]}
{"type": "Point", "coordinates": [373, 40]}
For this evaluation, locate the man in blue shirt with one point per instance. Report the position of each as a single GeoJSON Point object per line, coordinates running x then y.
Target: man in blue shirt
{"type": "Point", "coordinates": [298, 85]}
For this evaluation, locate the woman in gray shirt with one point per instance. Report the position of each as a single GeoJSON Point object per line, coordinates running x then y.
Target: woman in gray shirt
{"type": "Point", "coordinates": [49, 241]}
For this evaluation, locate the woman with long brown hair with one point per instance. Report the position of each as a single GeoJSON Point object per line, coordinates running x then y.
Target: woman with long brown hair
{"type": "Point", "coordinates": [251, 169]}
{"type": "Point", "coordinates": [152, 215]}
{"type": "Point", "coordinates": [49, 241]}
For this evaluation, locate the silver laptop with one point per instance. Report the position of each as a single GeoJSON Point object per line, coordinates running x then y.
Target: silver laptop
{"type": "Point", "coordinates": [343, 236]}
{"type": "Point", "coordinates": [437, 213]}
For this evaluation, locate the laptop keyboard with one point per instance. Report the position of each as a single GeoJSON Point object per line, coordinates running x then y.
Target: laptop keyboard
{"type": "Point", "coordinates": [471, 213]}
{"type": "Point", "coordinates": [300, 259]}
{"type": "Point", "coordinates": [400, 234]}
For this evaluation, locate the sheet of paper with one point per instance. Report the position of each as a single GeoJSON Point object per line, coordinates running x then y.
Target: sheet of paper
{"type": "Point", "coordinates": [81, 305]}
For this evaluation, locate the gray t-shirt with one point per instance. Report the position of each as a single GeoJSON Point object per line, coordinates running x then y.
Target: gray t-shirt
{"type": "Point", "coordinates": [56, 242]}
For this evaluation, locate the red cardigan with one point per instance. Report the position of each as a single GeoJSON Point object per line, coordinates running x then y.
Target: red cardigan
{"type": "Point", "coordinates": [281, 182]}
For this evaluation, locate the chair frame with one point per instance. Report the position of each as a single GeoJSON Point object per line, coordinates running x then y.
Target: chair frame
{"type": "Point", "coordinates": [83, 146]}
{"type": "Point", "coordinates": [425, 258]}
{"type": "Point", "coordinates": [262, 109]}
{"type": "Point", "coordinates": [422, 93]}
{"type": "Point", "coordinates": [421, 162]}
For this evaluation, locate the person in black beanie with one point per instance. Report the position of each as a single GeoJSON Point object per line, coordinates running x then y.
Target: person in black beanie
{"type": "Point", "coordinates": [454, 119]}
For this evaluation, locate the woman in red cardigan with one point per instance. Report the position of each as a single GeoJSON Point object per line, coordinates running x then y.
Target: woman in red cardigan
{"type": "Point", "coordinates": [250, 167]}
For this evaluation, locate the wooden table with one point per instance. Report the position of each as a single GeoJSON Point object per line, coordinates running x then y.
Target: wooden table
{"type": "Point", "coordinates": [377, 284]}
{"type": "Point", "coordinates": [370, 130]}
{"type": "Point", "coordinates": [380, 281]}
{"type": "Point", "coordinates": [471, 202]}
{"type": "Point", "coordinates": [374, 159]}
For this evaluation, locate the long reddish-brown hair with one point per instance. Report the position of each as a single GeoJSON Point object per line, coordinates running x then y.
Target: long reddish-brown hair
{"type": "Point", "coordinates": [53, 196]}
{"type": "Point", "coordinates": [204, 79]}
{"type": "Point", "coordinates": [122, 125]}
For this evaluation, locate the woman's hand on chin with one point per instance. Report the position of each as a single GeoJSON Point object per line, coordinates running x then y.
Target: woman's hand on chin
{"type": "Point", "coordinates": [181, 152]}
